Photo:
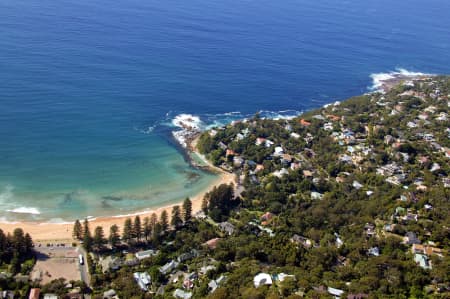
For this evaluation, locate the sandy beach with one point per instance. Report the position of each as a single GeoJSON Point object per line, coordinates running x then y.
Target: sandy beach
{"type": "Point", "coordinates": [62, 233]}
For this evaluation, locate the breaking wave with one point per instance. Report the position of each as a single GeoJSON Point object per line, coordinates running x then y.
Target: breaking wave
{"type": "Point", "coordinates": [378, 79]}
{"type": "Point", "coordinates": [190, 124]}
{"type": "Point", "coordinates": [25, 210]}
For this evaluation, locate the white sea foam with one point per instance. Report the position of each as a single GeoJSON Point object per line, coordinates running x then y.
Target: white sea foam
{"type": "Point", "coordinates": [379, 78]}
{"type": "Point", "coordinates": [25, 210]}
{"type": "Point", "coordinates": [187, 121]}
{"type": "Point", "coordinates": [277, 115]}
{"type": "Point", "coordinates": [189, 125]}
{"type": "Point", "coordinates": [147, 130]}
{"type": "Point", "coordinates": [192, 124]}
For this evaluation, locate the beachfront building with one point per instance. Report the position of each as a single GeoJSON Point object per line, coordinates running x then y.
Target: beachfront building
{"type": "Point", "coordinates": [141, 255]}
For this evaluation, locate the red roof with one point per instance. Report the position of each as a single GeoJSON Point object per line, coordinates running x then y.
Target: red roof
{"type": "Point", "coordinates": [304, 122]}
{"type": "Point", "coordinates": [334, 117]}
{"type": "Point", "coordinates": [212, 244]}
{"type": "Point", "coordinates": [34, 293]}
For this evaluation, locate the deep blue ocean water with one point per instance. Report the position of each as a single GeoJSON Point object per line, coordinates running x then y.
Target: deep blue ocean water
{"type": "Point", "coordinates": [88, 89]}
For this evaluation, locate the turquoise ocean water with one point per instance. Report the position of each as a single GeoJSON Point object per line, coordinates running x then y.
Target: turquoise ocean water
{"type": "Point", "coordinates": [89, 89]}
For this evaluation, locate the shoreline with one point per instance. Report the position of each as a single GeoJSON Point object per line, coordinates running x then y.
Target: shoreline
{"type": "Point", "coordinates": [44, 232]}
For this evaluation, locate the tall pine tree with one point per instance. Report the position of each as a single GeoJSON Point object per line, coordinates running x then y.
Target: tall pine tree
{"type": "Point", "coordinates": [99, 237]}
{"type": "Point", "coordinates": [147, 229]}
{"type": "Point", "coordinates": [137, 228]}
{"type": "Point", "coordinates": [187, 209]}
{"type": "Point", "coordinates": [87, 237]}
{"type": "Point", "coordinates": [164, 221]}
{"type": "Point", "coordinates": [176, 220]}
{"type": "Point", "coordinates": [77, 230]}
{"type": "Point", "coordinates": [114, 237]}
{"type": "Point", "coordinates": [127, 233]}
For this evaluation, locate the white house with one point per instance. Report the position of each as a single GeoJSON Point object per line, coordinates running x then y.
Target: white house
{"type": "Point", "coordinates": [143, 279]}
{"type": "Point", "coordinates": [145, 254]}
{"type": "Point", "coordinates": [262, 279]}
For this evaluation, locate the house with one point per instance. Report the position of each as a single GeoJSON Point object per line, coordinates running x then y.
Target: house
{"type": "Point", "coordinates": [286, 158]}
{"type": "Point", "coordinates": [375, 251]}
{"type": "Point", "coordinates": [226, 227]}
{"type": "Point", "coordinates": [422, 260]}
{"type": "Point", "coordinates": [187, 256]}
{"type": "Point", "coordinates": [427, 250]}
{"type": "Point", "coordinates": [251, 163]}
{"type": "Point", "coordinates": [295, 135]}
{"type": "Point", "coordinates": [278, 151]}
{"type": "Point", "coordinates": [238, 161]}
{"type": "Point", "coordinates": [305, 242]}
{"type": "Point", "coordinates": [388, 139]}
{"type": "Point", "coordinates": [338, 241]}
{"type": "Point", "coordinates": [34, 293]}
{"type": "Point", "coordinates": [178, 293]}
{"type": "Point", "coordinates": [230, 152]}
{"type": "Point", "coordinates": [240, 136]}
{"type": "Point", "coordinates": [336, 293]}
{"type": "Point", "coordinates": [169, 267]}
{"type": "Point", "coordinates": [188, 284]}
{"type": "Point", "coordinates": [357, 185]}
{"type": "Point", "coordinates": [280, 173]}
{"type": "Point", "coordinates": [214, 284]}
{"type": "Point", "coordinates": [269, 143]}
{"type": "Point", "coordinates": [7, 294]}
{"type": "Point", "coordinates": [212, 244]}
{"type": "Point", "coordinates": [267, 216]}
{"type": "Point", "coordinates": [223, 146]}
{"type": "Point", "coordinates": [369, 229]}
{"type": "Point", "coordinates": [110, 294]}
{"type": "Point", "coordinates": [260, 141]}
{"type": "Point", "coordinates": [346, 159]}
{"type": "Point", "coordinates": [145, 254]}
{"type": "Point", "coordinates": [411, 238]}
{"type": "Point", "coordinates": [110, 263]}
{"type": "Point", "coordinates": [259, 168]}
{"type": "Point", "coordinates": [316, 195]}
{"type": "Point", "coordinates": [212, 133]}
{"type": "Point", "coordinates": [262, 279]}
{"type": "Point", "coordinates": [333, 117]}
{"type": "Point", "coordinates": [143, 279]}
{"type": "Point", "coordinates": [328, 126]}
{"type": "Point", "coordinates": [388, 227]}
{"type": "Point", "coordinates": [305, 123]}
{"type": "Point", "coordinates": [283, 276]}
{"type": "Point", "coordinates": [307, 173]}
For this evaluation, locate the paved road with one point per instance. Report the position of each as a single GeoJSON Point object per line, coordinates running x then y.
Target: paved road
{"type": "Point", "coordinates": [84, 273]}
